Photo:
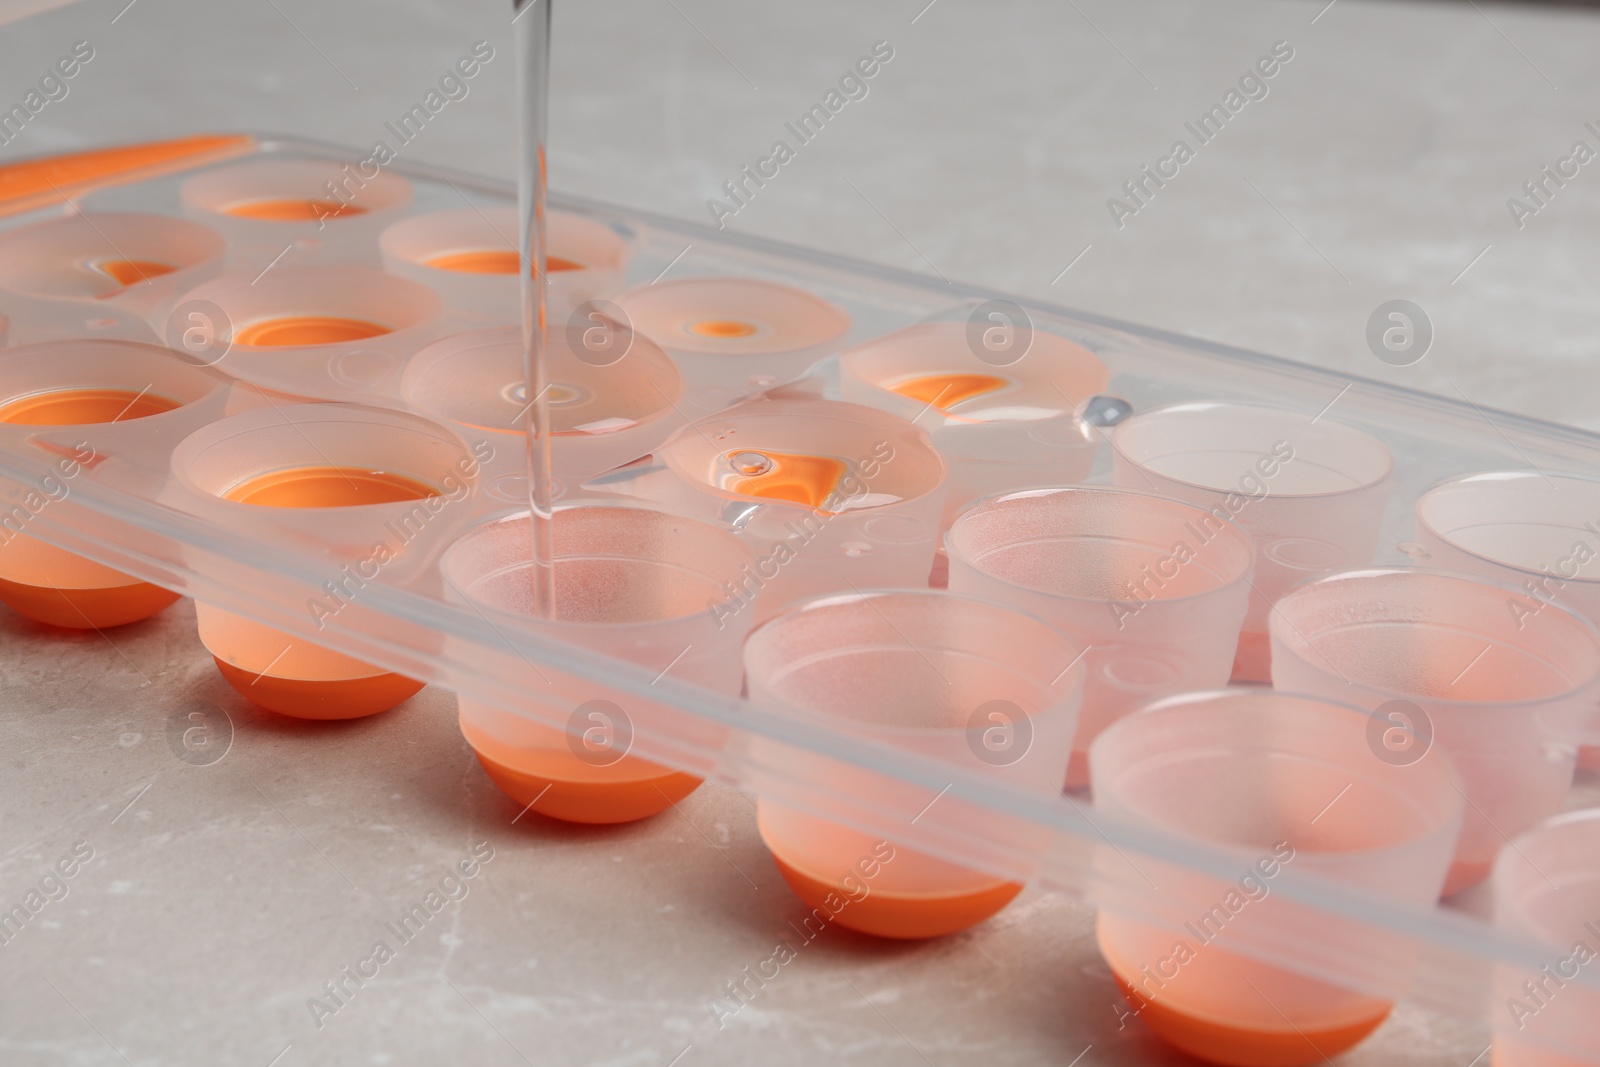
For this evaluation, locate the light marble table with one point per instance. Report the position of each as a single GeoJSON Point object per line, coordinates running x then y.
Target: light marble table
{"type": "Point", "coordinates": [221, 898]}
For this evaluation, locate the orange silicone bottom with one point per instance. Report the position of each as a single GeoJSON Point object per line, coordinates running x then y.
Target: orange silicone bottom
{"type": "Point", "coordinates": [132, 271]}
{"type": "Point", "coordinates": [291, 209]}
{"type": "Point", "coordinates": [327, 487]}
{"type": "Point", "coordinates": [945, 391]}
{"type": "Point", "coordinates": [292, 330]}
{"type": "Point", "coordinates": [494, 261]}
{"type": "Point", "coordinates": [807, 480]}
{"type": "Point", "coordinates": [337, 698]}
{"type": "Point", "coordinates": [725, 329]}
{"type": "Point", "coordinates": [1252, 659]}
{"type": "Point", "coordinates": [901, 915]}
{"type": "Point", "coordinates": [1236, 1046]}
{"type": "Point", "coordinates": [1465, 876]}
{"type": "Point", "coordinates": [599, 803]}
{"type": "Point", "coordinates": [82, 407]}
{"type": "Point", "coordinates": [1078, 770]}
{"type": "Point", "coordinates": [86, 609]}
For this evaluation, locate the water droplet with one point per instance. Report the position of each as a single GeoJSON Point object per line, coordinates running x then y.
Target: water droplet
{"type": "Point", "coordinates": [1413, 549]}
{"type": "Point", "coordinates": [856, 549]}
{"type": "Point", "coordinates": [750, 464]}
{"type": "Point", "coordinates": [1105, 410]}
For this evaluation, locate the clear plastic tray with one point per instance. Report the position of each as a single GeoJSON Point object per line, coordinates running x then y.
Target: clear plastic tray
{"type": "Point", "coordinates": [402, 620]}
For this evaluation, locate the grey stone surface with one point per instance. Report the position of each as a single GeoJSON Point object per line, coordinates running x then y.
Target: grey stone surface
{"type": "Point", "coordinates": [220, 898]}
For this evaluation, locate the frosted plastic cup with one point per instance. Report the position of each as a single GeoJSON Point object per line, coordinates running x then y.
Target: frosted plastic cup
{"type": "Point", "coordinates": [1310, 493]}
{"type": "Point", "coordinates": [91, 410]}
{"type": "Point", "coordinates": [1537, 532]}
{"type": "Point", "coordinates": [960, 681]}
{"type": "Point", "coordinates": [830, 495]}
{"type": "Point", "coordinates": [469, 257]}
{"type": "Point", "coordinates": [1547, 890]}
{"type": "Point", "coordinates": [630, 583]}
{"type": "Point", "coordinates": [309, 211]}
{"type": "Point", "coordinates": [368, 490]}
{"type": "Point", "coordinates": [1001, 425]}
{"type": "Point", "coordinates": [1280, 782]}
{"type": "Point", "coordinates": [334, 333]}
{"type": "Point", "coordinates": [604, 410]}
{"type": "Point", "coordinates": [1442, 664]}
{"type": "Point", "coordinates": [1154, 589]}
{"type": "Point", "coordinates": [101, 274]}
{"type": "Point", "coordinates": [735, 336]}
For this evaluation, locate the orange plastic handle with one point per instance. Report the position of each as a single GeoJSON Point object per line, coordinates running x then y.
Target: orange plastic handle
{"type": "Point", "coordinates": [35, 183]}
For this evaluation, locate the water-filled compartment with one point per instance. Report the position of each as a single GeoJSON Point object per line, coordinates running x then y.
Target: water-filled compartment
{"type": "Point", "coordinates": [830, 494]}
{"type": "Point", "coordinates": [605, 410]}
{"type": "Point", "coordinates": [637, 584]}
{"type": "Point", "coordinates": [1005, 420]}
{"type": "Point", "coordinates": [735, 336]}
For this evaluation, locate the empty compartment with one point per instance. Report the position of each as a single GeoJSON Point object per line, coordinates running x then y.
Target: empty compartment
{"type": "Point", "coordinates": [469, 257]}
{"type": "Point", "coordinates": [360, 488]}
{"type": "Point", "coordinates": [1447, 668]}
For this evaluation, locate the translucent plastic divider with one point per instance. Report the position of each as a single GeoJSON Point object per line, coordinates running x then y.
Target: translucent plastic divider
{"type": "Point", "coordinates": [105, 273]}
{"type": "Point", "coordinates": [1309, 491]}
{"type": "Point", "coordinates": [1448, 672]}
{"type": "Point", "coordinates": [306, 210]}
{"type": "Point", "coordinates": [469, 257]}
{"type": "Point", "coordinates": [334, 333]}
{"type": "Point", "coordinates": [1003, 421]}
